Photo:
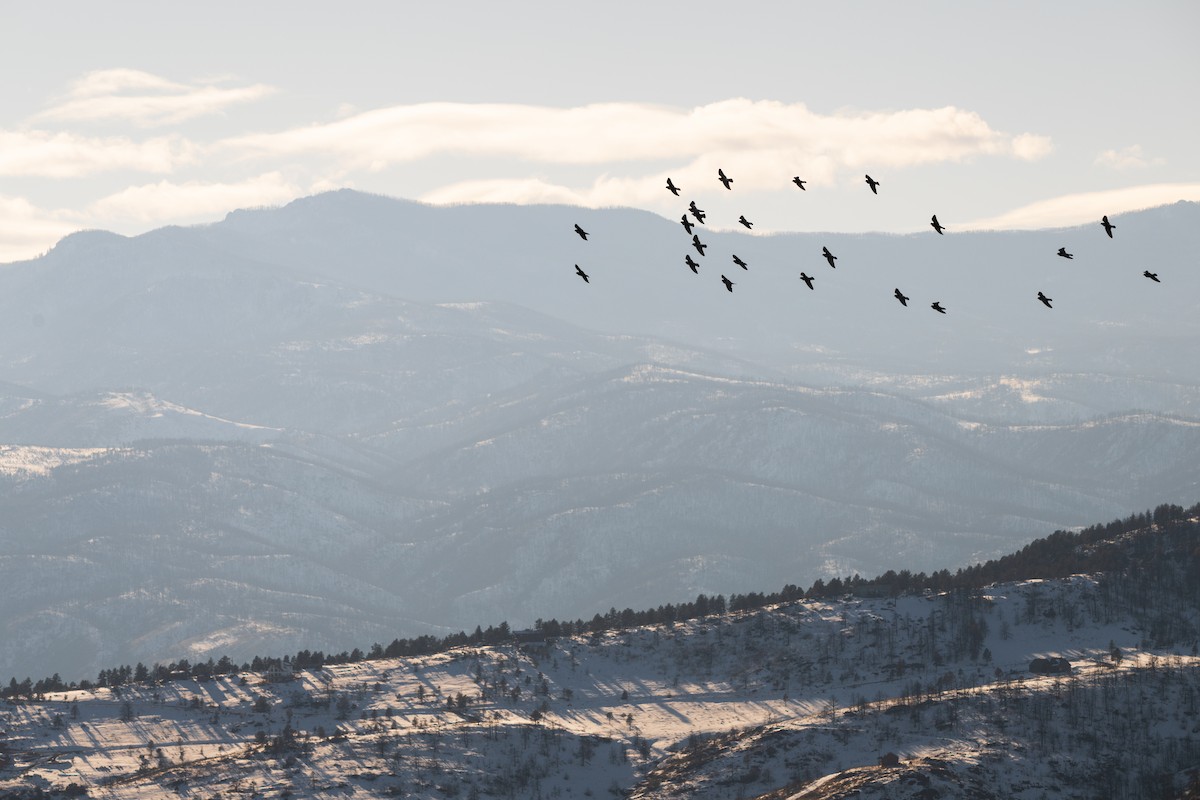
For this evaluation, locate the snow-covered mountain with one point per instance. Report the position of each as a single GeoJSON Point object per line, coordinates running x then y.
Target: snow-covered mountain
{"type": "Point", "coordinates": [1075, 687]}
{"type": "Point", "coordinates": [353, 418]}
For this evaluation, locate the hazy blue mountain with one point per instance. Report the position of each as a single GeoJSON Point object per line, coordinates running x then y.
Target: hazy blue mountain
{"type": "Point", "coordinates": [1104, 308]}
{"type": "Point", "coordinates": [354, 418]}
{"type": "Point", "coordinates": [1106, 314]}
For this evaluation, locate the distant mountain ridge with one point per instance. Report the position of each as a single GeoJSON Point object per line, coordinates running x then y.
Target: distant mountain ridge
{"type": "Point", "coordinates": [353, 418]}
{"type": "Point", "coordinates": [524, 254]}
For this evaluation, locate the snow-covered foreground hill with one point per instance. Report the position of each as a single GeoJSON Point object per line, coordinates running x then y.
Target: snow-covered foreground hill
{"type": "Point", "coordinates": [800, 700]}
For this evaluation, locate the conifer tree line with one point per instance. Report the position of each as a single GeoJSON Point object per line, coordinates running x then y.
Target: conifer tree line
{"type": "Point", "coordinates": [1153, 576]}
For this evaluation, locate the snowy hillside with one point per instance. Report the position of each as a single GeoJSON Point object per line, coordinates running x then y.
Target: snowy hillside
{"type": "Point", "coordinates": [801, 700]}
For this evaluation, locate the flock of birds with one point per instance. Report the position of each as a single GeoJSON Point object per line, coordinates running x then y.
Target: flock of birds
{"type": "Point", "coordinates": [698, 215]}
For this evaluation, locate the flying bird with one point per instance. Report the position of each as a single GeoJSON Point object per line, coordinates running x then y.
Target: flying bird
{"type": "Point", "coordinates": [581, 274]}
{"type": "Point", "coordinates": [728, 283]}
{"type": "Point", "coordinates": [807, 279]}
{"type": "Point", "coordinates": [872, 183]}
{"type": "Point", "coordinates": [687, 226]}
{"type": "Point", "coordinates": [830, 257]}
{"type": "Point", "coordinates": [1045, 300]}
{"type": "Point", "coordinates": [739, 262]}
{"type": "Point", "coordinates": [726, 181]}
{"type": "Point", "coordinates": [694, 266]}
{"type": "Point", "coordinates": [1062, 251]}
{"type": "Point", "coordinates": [696, 212]}
{"type": "Point", "coordinates": [746, 222]}
{"type": "Point", "coordinates": [582, 233]}
{"type": "Point", "coordinates": [902, 298]}
{"type": "Point", "coordinates": [672, 187]}
{"type": "Point", "coordinates": [796, 180]}
{"type": "Point", "coordinates": [937, 226]}
{"type": "Point", "coordinates": [1152, 276]}
{"type": "Point", "coordinates": [936, 305]}
{"type": "Point", "coordinates": [696, 243]}
{"type": "Point", "coordinates": [1108, 226]}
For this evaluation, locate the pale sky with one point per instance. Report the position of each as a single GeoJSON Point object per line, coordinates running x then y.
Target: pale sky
{"type": "Point", "coordinates": [128, 116]}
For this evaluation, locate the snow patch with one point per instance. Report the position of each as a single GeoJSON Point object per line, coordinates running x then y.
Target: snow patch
{"type": "Point", "coordinates": [26, 460]}
{"type": "Point", "coordinates": [150, 406]}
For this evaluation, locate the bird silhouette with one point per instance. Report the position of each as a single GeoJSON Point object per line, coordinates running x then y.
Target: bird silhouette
{"type": "Point", "coordinates": [796, 180]}
{"type": "Point", "coordinates": [726, 181]}
{"type": "Point", "coordinates": [1108, 226]}
{"type": "Point", "coordinates": [872, 183]}
{"type": "Point", "coordinates": [581, 274]}
{"type": "Point", "coordinates": [830, 257]}
{"type": "Point", "coordinates": [1062, 251]}
{"type": "Point", "coordinates": [902, 298]}
{"type": "Point", "coordinates": [582, 233]}
{"type": "Point", "coordinates": [807, 279]}
{"type": "Point", "coordinates": [694, 266]}
{"type": "Point", "coordinates": [728, 283]}
{"type": "Point", "coordinates": [696, 212]}
{"type": "Point", "coordinates": [1152, 276]}
{"type": "Point", "coordinates": [696, 243]}
{"type": "Point", "coordinates": [936, 305]}
{"type": "Point", "coordinates": [672, 188]}
{"type": "Point", "coordinates": [746, 222]}
{"type": "Point", "coordinates": [687, 226]}
{"type": "Point", "coordinates": [937, 226]}
{"type": "Point", "coordinates": [739, 262]}
{"type": "Point", "coordinates": [1045, 300]}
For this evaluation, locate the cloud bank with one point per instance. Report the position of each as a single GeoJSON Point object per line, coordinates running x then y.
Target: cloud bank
{"type": "Point", "coordinates": [1075, 209]}
{"type": "Point", "coordinates": [26, 230]}
{"type": "Point", "coordinates": [145, 100]}
{"type": "Point", "coordinates": [146, 203]}
{"type": "Point", "coordinates": [1126, 158]}
{"type": "Point", "coordinates": [100, 130]}
{"type": "Point", "coordinates": [70, 155]}
{"type": "Point", "coordinates": [621, 132]}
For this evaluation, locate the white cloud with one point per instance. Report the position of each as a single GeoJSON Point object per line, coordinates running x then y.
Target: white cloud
{"type": "Point", "coordinates": [166, 201]}
{"type": "Point", "coordinates": [604, 191]}
{"type": "Point", "coordinates": [618, 132]}
{"type": "Point", "coordinates": [144, 99]}
{"type": "Point", "coordinates": [1031, 147]}
{"type": "Point", "coordinates": [523, 191]}
{"type": "Point", "coordinates": [27, 231]}
{"type": "Point", "coordinates": [1076, 209]}
{"type": "Point", "coordinates": [68, 155]}
{"type": "Point", "coordinates": [760, 143]}
{"type": "Point", "coordinates": [1130, 157]}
